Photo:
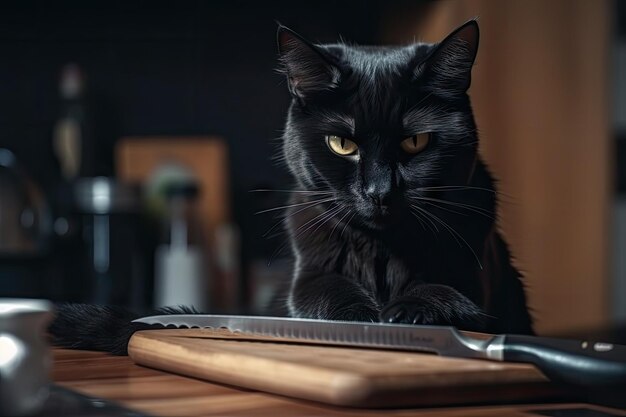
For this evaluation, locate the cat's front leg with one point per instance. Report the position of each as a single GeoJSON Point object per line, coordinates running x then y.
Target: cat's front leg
{"type": "Point", "coordinates": [331, 297]}
{"type": "Point", "coordinates": [434, 304]}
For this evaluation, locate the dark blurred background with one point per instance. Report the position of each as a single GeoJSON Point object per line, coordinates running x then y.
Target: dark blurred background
{"type": "Point", "coordinates": [176, 108]}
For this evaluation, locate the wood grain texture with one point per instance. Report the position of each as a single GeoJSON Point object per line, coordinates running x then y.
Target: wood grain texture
{"type": "Point", "coordinates": [206, 157]}
{"type": "Point", "coordinates": [336, 375]}
{"type": "Point", "coordinates": [161, 394]}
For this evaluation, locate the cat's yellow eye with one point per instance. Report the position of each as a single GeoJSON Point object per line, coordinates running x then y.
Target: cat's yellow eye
{"type": "Point", "coordinates": [341, 146]}
{"type": "Point", "coordinates": [415, 143]}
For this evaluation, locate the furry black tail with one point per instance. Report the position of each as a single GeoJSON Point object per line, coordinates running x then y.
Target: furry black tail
{"type": "Point", "coordinates": [96, 327]}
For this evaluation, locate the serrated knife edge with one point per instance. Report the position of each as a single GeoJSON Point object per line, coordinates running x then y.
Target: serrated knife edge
{"type": "Point", "coordinates": [446, 341]}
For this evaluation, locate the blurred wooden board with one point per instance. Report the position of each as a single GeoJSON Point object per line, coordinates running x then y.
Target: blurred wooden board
{"type": "Point", "coordinates": [337, 375]}
{"type": "Point", "coordinates": [137, 159]}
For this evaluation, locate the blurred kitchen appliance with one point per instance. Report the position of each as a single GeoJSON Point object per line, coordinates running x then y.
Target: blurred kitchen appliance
{"type": "Point", "coordinates": [137, 158]}
{"type": "Point", "coordinates": [206, 158]}
{"type": "Point", "coordinates": [25, 221]}
{"type": "Point", "coordinates": [111, 228]}
{"type": "Point", "coordinates": [25, 359]}
{"type": "Point", "coordinates": [181, 269]}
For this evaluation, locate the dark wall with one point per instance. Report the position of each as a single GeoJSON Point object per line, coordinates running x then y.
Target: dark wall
{"type": "Point", "coordinates": [160, 68]}
{"type": "Point", "coordinates": [163, 68]}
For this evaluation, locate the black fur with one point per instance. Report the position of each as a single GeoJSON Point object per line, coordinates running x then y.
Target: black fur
{"type": "Point", "coordinates": [103, 328]}
{"type": "Point", "coordinates": [386, 235]}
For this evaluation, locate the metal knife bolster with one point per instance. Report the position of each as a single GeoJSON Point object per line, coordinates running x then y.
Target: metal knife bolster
{"type": "Point", "coordinates": [446, 341]}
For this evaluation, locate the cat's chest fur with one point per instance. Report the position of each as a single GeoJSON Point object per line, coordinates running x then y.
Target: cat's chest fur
{"type": "Point", "coordinates": [383, 263]}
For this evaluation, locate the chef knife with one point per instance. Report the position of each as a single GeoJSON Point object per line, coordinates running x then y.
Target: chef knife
{"type": "Point", "coordinates": [580, 363]}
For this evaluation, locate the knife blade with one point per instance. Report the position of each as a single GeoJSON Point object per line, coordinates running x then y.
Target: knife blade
{"type": "Point", "coordinates": [578, 363]}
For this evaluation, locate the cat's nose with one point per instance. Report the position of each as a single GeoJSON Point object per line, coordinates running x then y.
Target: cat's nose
{"type": "Point", "coordinates": [380, 197]}
{"type": "Point", "coordinates": [378, 186]}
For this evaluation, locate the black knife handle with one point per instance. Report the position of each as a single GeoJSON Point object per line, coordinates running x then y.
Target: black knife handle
{"type": "Point", "coordinates": [568, 361]}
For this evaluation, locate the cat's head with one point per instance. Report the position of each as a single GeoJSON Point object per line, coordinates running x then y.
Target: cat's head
{"type": "Point", "coordinates": [377, 125]}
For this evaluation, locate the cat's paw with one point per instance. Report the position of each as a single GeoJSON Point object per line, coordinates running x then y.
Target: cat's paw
{"type": "Point", "coordinates": [354, 313]}
{"type": "Point", "coordinates": [434, 305]}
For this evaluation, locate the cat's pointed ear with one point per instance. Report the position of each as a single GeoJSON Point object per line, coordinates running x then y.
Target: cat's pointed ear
{"type": "Point", "coordinates": [448, 69]}
{"type": "Point", "coordinates": [308, 68]}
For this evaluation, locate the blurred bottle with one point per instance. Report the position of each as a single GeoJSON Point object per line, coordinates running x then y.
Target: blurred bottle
{"type": "Point", "coordinates": [70, 143]}
{"type": "Point", "coordinates": [109, 211]}
{"type": "Point", "coordinates": [180, 268]}
{"type": "Point", "coordinates": [72, 138]}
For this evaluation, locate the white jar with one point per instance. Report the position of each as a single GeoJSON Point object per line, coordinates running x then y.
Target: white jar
{"type": "Point", "coordinates": [25, 360]}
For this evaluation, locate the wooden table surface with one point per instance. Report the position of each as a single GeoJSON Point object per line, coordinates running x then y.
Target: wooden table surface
{"type": "Point", "coordinates": [159, 393]}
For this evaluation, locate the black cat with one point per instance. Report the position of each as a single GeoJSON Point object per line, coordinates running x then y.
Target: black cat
{"type": "Point", "coordinates": [393, 216]}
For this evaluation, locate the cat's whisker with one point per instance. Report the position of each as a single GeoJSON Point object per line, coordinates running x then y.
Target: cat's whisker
{"type": "Point", "coordinates": [426, 97]}
{"type": "Point", "coordinates": [432, 226]}
{"type": "Point", "coordinates": [461, 205]}
{"type": "Point", "coordinates": [327, 215]}
{"type": "Point", "coordinates": [327, 219]}
{"type": "Point", "coordinates": [278, 223]}
{"type": "Point", "coordinates": [293, 238]}
{"type": "Point", "coordinates": [282, 221]}
{"type": "Point", "coordinates": [456, 187]}
{"type": "Point", "coordinates": [346, 225]}
{"type": "Point", "coordinates": [463, 188]}
{"type": "Point", "coordinates": [439, 221]}
{"type": "Point", "coordinates": [418, 219]}
{"type": "Point", "coordinates": [476, 209]}
{"type": "Point", "coordinates": [338, 223]}
{"type": "Point", "coordinates": [322, 217]}
{"type": "Point", "coordinates": [431, 216]}
{"type": "Point", "coordinates": [314, 220]}
{"type": "Point", "coordinates": [445, 208]}
{"type": "Point", "coordinates": [325, 200]}
{"type": "Point", "coordinates": [452, 231]}
{"type": "Point", "coordinates": [274, 235]}
{"type": "Point", "coordinates": [277, 252]}
{"type": "Point", "coordinates": [263, 190]}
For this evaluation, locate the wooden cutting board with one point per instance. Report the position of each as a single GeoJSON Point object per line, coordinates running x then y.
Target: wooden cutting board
{"type": "Point", "coordinates": [336, 375]}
